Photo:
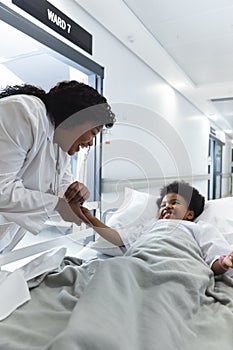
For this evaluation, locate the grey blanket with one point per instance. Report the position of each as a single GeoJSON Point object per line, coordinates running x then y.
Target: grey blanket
{"type": "Point", "coordinates": [160, 295]}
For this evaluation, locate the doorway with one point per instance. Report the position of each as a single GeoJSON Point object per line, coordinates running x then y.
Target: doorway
{"type": "Point", "coordinates": [215, 168]}
{"type": "Point", "coordinates": [31, 55]}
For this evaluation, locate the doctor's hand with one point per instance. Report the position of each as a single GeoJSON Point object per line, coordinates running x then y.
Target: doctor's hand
{"type": "Point", "coordinates": [71, 212]}
{"type": "Point", "coordinates": [77, 192]}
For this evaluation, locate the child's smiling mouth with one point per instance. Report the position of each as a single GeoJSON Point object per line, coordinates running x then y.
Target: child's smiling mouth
{"type": "Point", "coordinates": [167, 214]}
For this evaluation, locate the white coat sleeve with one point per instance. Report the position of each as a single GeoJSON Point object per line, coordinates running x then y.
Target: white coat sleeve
{"type": "Point", "coordinates": [27, 208]}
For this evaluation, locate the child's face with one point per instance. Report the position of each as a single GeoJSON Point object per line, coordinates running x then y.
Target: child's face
{"type": "Point", "coordinates": [174, 206]}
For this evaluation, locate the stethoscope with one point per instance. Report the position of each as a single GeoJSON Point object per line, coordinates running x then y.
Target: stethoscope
{"type": "Point", "coordinates": [87, 151]}
{"type": "Point", "coordinates": [55, 189]}
{"type": "Point", "coordinates": [57, 172]}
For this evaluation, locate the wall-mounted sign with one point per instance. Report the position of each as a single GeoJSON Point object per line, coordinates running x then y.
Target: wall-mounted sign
{"type": "Point", "coordinates": [58, 21]}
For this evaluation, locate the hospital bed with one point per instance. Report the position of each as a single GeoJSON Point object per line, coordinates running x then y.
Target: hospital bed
{"type": "Point", "coordinates": [160, 295]}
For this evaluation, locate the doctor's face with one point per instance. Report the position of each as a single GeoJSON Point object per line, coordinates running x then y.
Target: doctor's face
{"type": "Point", "coordinates": [85, 140]}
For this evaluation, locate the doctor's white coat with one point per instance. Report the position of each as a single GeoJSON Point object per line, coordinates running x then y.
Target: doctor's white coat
{"type": "Point", "coordinates": [28, 167]}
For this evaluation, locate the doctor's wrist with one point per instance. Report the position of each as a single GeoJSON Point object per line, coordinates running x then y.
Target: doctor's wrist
{"type": "Point", "coordinates": [60, 205]}
{"type": "Point", "coordinates": [66, 212]}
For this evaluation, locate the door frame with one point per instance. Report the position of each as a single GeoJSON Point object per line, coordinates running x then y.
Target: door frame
{"type": "Point", "coordinates": [69, 55]}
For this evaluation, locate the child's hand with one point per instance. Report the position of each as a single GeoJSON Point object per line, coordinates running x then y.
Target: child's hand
{"type": "Point", "coordinates": [228, 260]}
{"type": "Point", "coordinates": [87, 213]}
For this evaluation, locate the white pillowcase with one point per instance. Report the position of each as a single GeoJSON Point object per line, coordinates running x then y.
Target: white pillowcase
{"type": "Point", "coordinates": [219, 212]}
{"type": "Point", "coordinates": [137, 208]}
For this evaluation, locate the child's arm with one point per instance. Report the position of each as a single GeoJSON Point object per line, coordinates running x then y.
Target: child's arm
{"type": "Point", "coordinates": [223, 264]}
{"type": "Point", "coordinates": [103, 230]}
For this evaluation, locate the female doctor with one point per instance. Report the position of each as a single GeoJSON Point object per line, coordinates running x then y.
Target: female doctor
{"type": "Point", "coordinates": [38, 133]}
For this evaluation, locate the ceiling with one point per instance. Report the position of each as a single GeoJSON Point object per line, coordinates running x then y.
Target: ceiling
{"type": "Point", "coordinates": [188, 43]}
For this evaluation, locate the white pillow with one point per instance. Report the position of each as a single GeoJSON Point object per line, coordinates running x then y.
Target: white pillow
{"type": "Point", "coordinates": [219, 212]}
{"type": "Point", "coordinates": [137, 208]}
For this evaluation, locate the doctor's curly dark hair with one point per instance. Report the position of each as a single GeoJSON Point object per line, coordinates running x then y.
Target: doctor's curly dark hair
{"type": "Point", "coordinates": [66, 99]}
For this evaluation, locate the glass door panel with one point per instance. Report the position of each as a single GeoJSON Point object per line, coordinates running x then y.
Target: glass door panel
{"type": "Point", "coordinates": [215, 169]}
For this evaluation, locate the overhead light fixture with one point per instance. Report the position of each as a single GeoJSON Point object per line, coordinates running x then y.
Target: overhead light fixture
{"type": "Point", "coordinates": [222, 99]}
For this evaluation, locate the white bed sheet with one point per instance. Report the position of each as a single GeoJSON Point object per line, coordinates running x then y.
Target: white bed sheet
{"type": "Point", "coordinates": [33, 246]}
{"type": "Point", "coordinates": [32, 258]}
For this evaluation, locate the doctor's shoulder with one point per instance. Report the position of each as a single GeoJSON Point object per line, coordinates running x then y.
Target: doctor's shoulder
{"type": "Point", "coordinates": [27, 107]}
